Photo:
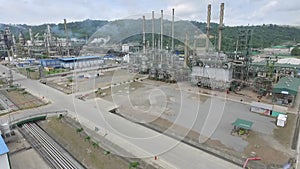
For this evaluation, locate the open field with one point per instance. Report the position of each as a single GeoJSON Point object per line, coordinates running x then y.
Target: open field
{"type": "Point", "coordinates": [185, 113]}
{"type": "Point", "coordinates": [90, 151]}
{"type": "Point", "coordinates": [19, 99]}
{"type": "Point", "coordinates": [76, 83]}
{"type": "Point", "coordinates": [92, 157]}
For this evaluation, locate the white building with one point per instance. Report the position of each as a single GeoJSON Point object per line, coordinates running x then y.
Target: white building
{"type": "Point", "coordinates": [4, 160]}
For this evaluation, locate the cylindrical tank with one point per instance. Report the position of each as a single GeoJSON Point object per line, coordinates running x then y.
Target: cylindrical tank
{"type": "Point", "coordinates": [5, 128]}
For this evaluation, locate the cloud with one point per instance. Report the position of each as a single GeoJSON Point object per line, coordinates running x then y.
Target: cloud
{"type": "Point", "coordinates": [241, 12]}
{"type": "Point", "coordinates": [265, 9]}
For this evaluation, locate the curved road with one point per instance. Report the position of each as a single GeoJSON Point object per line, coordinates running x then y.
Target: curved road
{"type": "Point", "coordinates": [136, 139]}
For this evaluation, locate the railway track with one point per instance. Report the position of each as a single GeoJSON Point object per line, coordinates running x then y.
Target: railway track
{"type": "Point", "coordinates": [56, 157]}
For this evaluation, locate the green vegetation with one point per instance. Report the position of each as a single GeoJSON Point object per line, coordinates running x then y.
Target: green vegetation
{"type": "Point", "coordinates": [79, 130]}
{"type": "Point", "coordinates": [262, 36]}
{"type": "Point", "coordinates": [295, 51]}
{"type": "Point", "coordinates": [95, 144]}
{"type": "Point", "coordinates": [134, 165]}
{"type": "Point", "coordinates": [87, 138]}
{"type": "Point", "coordinates": [54, 71]}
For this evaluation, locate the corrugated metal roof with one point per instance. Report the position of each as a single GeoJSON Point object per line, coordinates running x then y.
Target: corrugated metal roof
{"type": "Point", "coordinates": [287, 84]}
{"type": "Point", "coordinates": [292, 61]}
{"type": "Point", "coordinates": [3, 147]}
{"type": "Point", "coordinates": [244, 124]}
{"type": "Point", "coordinates": [261, 105]}
{"type": "Point", "coordinates": [79, 58]}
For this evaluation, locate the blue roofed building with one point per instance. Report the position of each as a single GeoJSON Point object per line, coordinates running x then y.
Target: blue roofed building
{"type": "Point", "coordinates": [4, 159]}
{"type": "Point", "coordinates": [53, 63]}
{"type": "Point", "coordinates": [81, 61]}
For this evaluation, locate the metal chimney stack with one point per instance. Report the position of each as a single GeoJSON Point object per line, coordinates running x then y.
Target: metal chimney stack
{"type": "Point", "coordinates": [208, 27]}
{"type": "Point", "coordinates": [67, 37]}
{"type": "Point", "coordinates": [161, 29]}
{"type": "Point", "coordinates": [173, 12]}
{"type": "Point", "coordinates": [153, 43]}
{"type": "Point", "coordinates": [221, 26]}
{"type": "Point", "coordinates": [186, 51]}
{"type": "Point", "coordinates": [30, 35]}
{"type": "Point", "coordinates": [144, 36]}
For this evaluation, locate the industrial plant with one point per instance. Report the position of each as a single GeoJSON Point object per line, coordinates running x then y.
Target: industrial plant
{"type": "Point", "coordinates": [154, 76]}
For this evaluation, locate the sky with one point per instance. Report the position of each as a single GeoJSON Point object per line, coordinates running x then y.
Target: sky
{"type": "Point", "coordinates": [237, 12]}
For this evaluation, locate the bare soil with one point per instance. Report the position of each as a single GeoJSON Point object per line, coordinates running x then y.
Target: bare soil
{"type": "Point", "coordinates": [263, 149]}
{"type": "Point", "coordinates": [22, 99]}
{"type": "Point", "coordinates": [92, 157]}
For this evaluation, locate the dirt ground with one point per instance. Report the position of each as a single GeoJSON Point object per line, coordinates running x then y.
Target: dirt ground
{"type": "Point", "coordinates": [257, 143]}
{"type": "Point", "coordinates": [278, 142]}
{"type": "Point", "coordinates": [68, 84]}
{"type": "Point", "coordinates": [22, 99]}
{"type": "Point", "coordinates": [86, 152]}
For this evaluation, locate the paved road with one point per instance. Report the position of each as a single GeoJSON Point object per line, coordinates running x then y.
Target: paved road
{"type": "Point", "coordinates": [140, 141]}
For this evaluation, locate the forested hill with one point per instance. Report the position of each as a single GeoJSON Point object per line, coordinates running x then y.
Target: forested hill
{"type": "Point", "coordinates": [262, 36]}
{"type": "Point", "coordinates": [81, 29]}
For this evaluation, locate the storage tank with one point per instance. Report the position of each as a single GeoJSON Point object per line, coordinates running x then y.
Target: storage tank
{"type": "Point", "coordinates": [5, 129]}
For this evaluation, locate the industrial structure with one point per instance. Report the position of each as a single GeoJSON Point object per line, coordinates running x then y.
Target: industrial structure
{"type": "Point", "coordinates": [38, 46]}
{"type": "Point", "coordinates": [171, 51]}
{"type": "Point", "coordinates": [165, 49]}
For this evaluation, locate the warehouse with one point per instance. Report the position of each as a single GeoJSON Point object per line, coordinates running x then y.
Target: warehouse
{"type": "Point", "coordinates": [285, 91]}
{"type": "Point", "coordinates": [81, 62]}
{"type": "Point", "coordinates": [53, 63]}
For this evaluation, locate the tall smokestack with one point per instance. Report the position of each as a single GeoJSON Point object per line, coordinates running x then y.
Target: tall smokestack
{"type": "Point", "coordinates": [144, 36]}
{"type": "Point", "coordinates": [30, 35]}
{"type": "Point", "coordinates": [186, 50]}
{"type": "Point", "coordinates": [208, 27]}
{"type": "Point", "coordinates": [221, 26]}
{"type": "Point", "coordinates": [153, 43]}
{"type": "Point", "coordinates": [161, 29]}
{"type": "Point", "coordinates": [67, 37]}
{"type": "Point", "coordinates": [173, 12]}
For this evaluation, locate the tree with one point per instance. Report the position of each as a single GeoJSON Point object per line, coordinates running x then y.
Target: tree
{"type": "Point", "coordinates": [106, 152]}
{"type": "Point", "coordinates": [79, 130]}
{"type": "Point", "coordinates": [87, 138]}
{"type": "Point", "coordinates": [95, 144]}
{"type": "Point", "coordinates": [99, 92]}
{"type": "Point", "coordinates": [295, 51]}
{"type": "Point", "coordinates": [134, 165]}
